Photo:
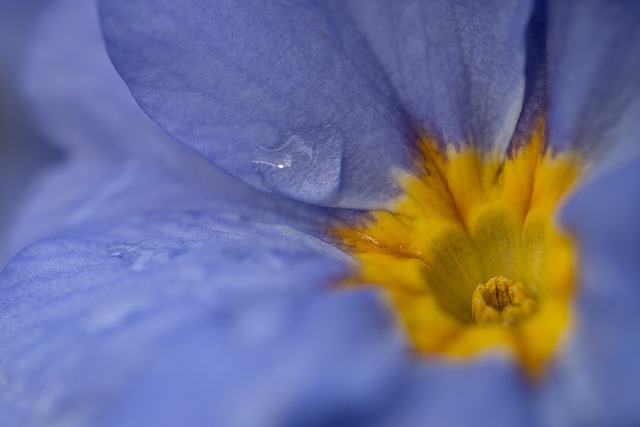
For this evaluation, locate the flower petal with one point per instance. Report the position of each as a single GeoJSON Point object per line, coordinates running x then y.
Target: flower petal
{"type": "Point", "coordinates": [119, 163]}
{"type": "Point", "coordinates": [177, 317]}
{"type": "Point", "coordinates": [597, 379]}
{"type": "Point", "coordinates": [286, 96]}
{"type": "Point", "coordinates": [22, 151]}
{"type": "Point", "coordinates": [458, 66]}
{"type": "Point", "coordinates": [594, 63]}
{"type": "Point", "coordinates": [488, 391]}
{"type": "Point", "coordinates": [76, 96]}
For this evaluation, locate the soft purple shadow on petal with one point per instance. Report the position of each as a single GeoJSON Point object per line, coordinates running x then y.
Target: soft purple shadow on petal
{"type": "Point", "coordinates": [284, 95]}
{"type": "Point", "coordinates": [22, 150]}
{"type": "Point", "coordinates": [490, 391]}
{"type": "Point", "coordinates": [594, 78]}
{"type": "Point", "coordinates": [597, 379]}
{"type": "Point", "coordinates": [75, 94]}
{"type": "Point", "coordinates": [119, 163]}
{"type": "Point", "coordinates": [459, 67]}
{"type": "Point", "coordinates": [535, 102]}
{"type": "Point", "coordinates": [201, 315]}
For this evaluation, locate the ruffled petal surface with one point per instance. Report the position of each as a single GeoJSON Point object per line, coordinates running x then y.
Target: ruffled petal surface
{"type": "Point", "coordinates": [594, 79]}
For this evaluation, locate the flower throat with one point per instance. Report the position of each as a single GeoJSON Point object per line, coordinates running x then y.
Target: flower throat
{"type": "Point", "coordinates": [470, 256]}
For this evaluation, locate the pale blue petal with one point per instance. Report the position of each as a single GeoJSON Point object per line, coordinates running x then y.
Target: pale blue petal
{"type": "Point", "coordinates": [231, 80]}
{"type": "Point", "coordinates": [597, 379]}
{"type": "Point", "coordinates": [190, 319]}
{"type": "Point", "coordinates": [167, 285]}
{"type": "Point", "coordinates": [173, 287]}
{"type": "Point", "coordinates": [75, 94]}
{"type": "Point", "coordinates": [118, 162]}
{"type": "Point", "coordinates": [594, 78]}
{"type": "Point", "coordinates": [22, 150]}
{"type": "Point", "coordinates": [490, 391]}
{"type": "Point", "coordinates": [459, 67]}
{"type": "Point", "coordinates": [284, 95]}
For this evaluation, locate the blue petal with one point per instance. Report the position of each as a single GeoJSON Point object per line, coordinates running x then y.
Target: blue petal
{"type": "Point", "coordinates": [22, 151]}
{"type": "Point", "coordinates": [173, 318]}
{"type": "Point", "coordinates": [119, 163]}
{"type": "Point", "coordinates": [75, 95]}
{"type": "Point", "coordinates": [489, 391]}
{"type": "Point", "coordinates": [168, 283]}
{"type": "Point", "coordinates": [594, 63]}
{"type": "Point", "coordinates": [535, 103]}
{"type": "Point", "coordinates": [597, 380]}
{"type": "Point", "coordinates": [458, 67]}
{"type": "Point", "coordinates": [282, 82]}
{"type": "Point", "coordinates": [82, 106]}
{"type": "Point", "coordinates": [287, 97]}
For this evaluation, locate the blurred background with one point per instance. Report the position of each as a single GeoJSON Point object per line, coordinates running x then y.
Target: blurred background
{"type": "Point", "coordinates": [23, 151]}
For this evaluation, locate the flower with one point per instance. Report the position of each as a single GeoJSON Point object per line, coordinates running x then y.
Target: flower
{"type": "Point", "coordinates": [151, 288]}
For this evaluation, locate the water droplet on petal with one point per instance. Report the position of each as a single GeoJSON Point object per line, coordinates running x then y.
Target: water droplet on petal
{"type": "Point", "coordinates": [304, 165]}
{"type": "Point", "coordinates": [142, 255]}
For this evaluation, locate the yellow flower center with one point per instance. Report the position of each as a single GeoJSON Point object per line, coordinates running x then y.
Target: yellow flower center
{"type": "Point", "coordinates": [470, 255]}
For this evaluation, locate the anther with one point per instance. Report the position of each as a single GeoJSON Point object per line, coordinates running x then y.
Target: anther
{"type": "Point", "coordinates": [502, 302]}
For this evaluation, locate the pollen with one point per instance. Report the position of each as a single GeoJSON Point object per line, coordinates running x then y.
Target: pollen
{"type": "Point", "coordinates": [471, 257]}
{"type": "Point", "coordinates": [501, 301]}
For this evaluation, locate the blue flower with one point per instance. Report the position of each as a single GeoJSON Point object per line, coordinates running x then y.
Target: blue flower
{"type": "Point", "coordinates": [151, 288]}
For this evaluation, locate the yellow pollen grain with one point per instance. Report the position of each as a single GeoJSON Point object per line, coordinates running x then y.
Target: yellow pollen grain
{"type": "Point", "coordinates": [470, 220]}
